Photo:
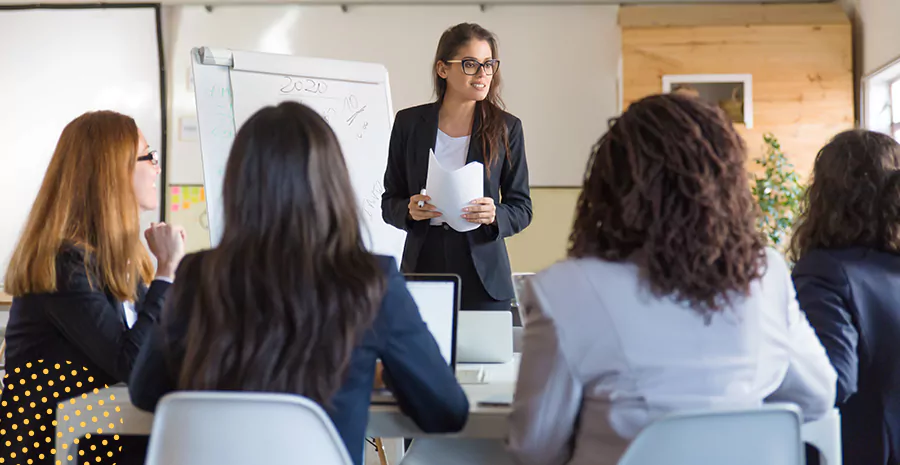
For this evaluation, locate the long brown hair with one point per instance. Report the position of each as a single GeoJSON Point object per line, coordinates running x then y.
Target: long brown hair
{"type": "Point", "coordinates": [86, 200]}
{"type": "Point", "coordinates": [666, 187]}
{"type": "Point", "coordinates": [492, 130]}
{"type": "Point", "coordinates": [289, 291]}
{"type": "Point", "coordinates": [854, 196]}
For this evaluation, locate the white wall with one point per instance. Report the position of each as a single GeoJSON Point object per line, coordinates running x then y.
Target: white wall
{"type": "Point", "coordinates": [878, 46]}
{"type": "Point", "coordinates": [559, 65]}
{"type": "Point", "coordinates": [880, 22]}
{"type": "Point", "coordinates": [54, 66]}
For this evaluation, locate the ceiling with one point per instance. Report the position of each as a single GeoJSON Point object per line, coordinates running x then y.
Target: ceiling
{"type": "Point", "coordinates": [416, 2]}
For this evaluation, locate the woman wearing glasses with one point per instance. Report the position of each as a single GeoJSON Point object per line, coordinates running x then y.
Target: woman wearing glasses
{"type": "Point", "coordinates": [466, 124]}
{"type": "Point", "coordinates": [79, 279]}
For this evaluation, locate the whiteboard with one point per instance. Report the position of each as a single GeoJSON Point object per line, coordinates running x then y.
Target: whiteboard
{"type": "Point", "coordinates": [353, 97]}
{"type": "Point", "coordinates": [56, 65]}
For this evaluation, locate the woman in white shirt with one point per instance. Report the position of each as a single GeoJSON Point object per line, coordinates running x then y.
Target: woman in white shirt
{"type": "Point", "coordinates": [669, 299]}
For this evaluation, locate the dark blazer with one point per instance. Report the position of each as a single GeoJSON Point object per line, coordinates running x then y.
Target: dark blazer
{"type": "Point", "coordinates": [414, 133]}
{"type": "Point", "coordinates": [78, 334]}
{"type": "Point", "coordinates": [424, 385]}
{"type": "Point", "coordinates": [852, 299]}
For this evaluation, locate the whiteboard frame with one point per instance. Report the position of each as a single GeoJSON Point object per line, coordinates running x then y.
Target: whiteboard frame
{"type": "Point", "coordinates": [209, 58]}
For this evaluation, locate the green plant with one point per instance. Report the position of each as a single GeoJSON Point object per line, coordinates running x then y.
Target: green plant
{"type": "Point", "coordinates": [777, 190]}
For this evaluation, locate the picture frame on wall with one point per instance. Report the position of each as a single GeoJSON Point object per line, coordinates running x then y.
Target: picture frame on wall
{"type": "Point", "coordinates": [733, 93]}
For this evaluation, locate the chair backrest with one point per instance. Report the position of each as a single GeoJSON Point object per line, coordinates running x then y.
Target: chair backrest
{"type": "Point", "coordinates": [221, 428]}
{"type": "Point", "coordinates": [766, 435]}
{"type": "Point", "coordinates": [2, 361]}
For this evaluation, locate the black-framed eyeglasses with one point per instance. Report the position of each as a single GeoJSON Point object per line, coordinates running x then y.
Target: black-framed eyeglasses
{"type": "Point", "coordinates": [471, 66]}
{"type": "Point", "coordinates": [152, 156]}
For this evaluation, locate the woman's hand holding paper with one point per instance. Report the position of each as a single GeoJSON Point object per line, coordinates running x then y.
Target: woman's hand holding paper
{"type": "Point", "coordinates": [481, 211]}
{"type": "Point", "coordinates": [425, 212]}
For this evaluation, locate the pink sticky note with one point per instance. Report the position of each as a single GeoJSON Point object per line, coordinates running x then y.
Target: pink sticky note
{"type": "Point", "coordinates": [176, 190]}
{"type": "Point", "coordinates": [174, 208]}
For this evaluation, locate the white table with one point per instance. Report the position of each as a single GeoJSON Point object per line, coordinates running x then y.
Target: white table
{"type": "Point", "coordinates": [385, 421]}
{"type": "Point", "coordinates": [481, 441]}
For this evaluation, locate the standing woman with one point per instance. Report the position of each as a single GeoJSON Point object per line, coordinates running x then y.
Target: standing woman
{"type": "Point", "coordinates": [466, 124]}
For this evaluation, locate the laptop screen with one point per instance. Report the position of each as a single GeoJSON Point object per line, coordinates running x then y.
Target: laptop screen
{"type": "Point", "coordinates": [437, 299]}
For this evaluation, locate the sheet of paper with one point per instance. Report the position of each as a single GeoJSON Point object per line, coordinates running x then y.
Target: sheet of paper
{"type": "Point", "coordinates": [451, 191]}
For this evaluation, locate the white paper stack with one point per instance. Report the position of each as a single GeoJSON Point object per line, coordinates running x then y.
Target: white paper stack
{"type": "Point", "coordinates": [453, 190]}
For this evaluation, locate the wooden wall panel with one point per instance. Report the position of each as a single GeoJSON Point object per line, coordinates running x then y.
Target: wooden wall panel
{"type": "Point", "coordinates": [802, 75]}
{"type": "Point", "coordinates": [546, 240]}
{"type": "Point", "coordinates": [732, 14]}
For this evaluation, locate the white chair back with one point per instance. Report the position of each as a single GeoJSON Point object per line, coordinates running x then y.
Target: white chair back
{"type": "Point", "coordinates": [767, 435]}
{"type": "Point", "coordinates": [224, 428]}
{"type": "Point", "coordinates": [825, 435]}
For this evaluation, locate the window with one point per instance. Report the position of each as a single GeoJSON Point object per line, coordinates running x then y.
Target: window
{"type": "Point", "coordinates": [881, 100]}
{"type": "Point", "coordinates": [895, 109]}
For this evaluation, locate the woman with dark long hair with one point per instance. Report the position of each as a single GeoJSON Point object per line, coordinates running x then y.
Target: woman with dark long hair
{"type": "Point", "coordinates": [847, 246]}
{"type": "Point", "coordinates": [669, 299]}
{"type": "Point", "coordinates": [466, 124]}
{"type": "Point", "coordinates": [290, 300]}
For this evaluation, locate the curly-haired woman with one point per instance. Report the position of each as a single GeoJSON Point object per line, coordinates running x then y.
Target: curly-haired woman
{"type": "Point", "coordinates": [669, 299]}
{"type": "Point", "coordinates": [848, 283]}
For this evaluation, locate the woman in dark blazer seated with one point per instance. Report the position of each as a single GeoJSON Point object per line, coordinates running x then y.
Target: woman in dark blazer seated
{"type": "Point", "coordinates": [81, 307]}
{"type": "Point", "coordinates": [290, 300]}
{"type": "Point", "coordinates": [847, 242]}
{"type": "Point", "coordinates": [466, 124]}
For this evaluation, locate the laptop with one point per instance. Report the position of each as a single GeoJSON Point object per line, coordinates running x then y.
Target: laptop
{"type": "Point", "coordinates": [438, 298]}
{"type": "Point", "coordinates": [484, 337]}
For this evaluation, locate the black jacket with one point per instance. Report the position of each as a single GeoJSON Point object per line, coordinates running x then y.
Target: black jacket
{"type": "Point", "coordinates": [64, 344]}
{"type": "Point", "coordinates": [414, 133]}
{"type": "Point", "coordinates": [423, 384]}
{"type": "Point", "coordinates": [852, 299]}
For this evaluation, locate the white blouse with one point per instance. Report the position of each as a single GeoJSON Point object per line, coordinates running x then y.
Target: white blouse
{"type": "Point", "coordinates": [451, 153]}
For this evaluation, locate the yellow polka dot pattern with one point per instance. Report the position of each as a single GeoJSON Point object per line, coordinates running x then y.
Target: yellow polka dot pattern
{"type": "Point", "coordinates": [18, 441]}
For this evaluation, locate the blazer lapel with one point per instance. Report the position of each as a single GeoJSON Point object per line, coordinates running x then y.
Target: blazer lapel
{"type": "Point", "coordinates": [141, 293]}
{"type": "Point", "coordinates": [475, 152]}
{"type": "Point", "coordinates": [117, 304]}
